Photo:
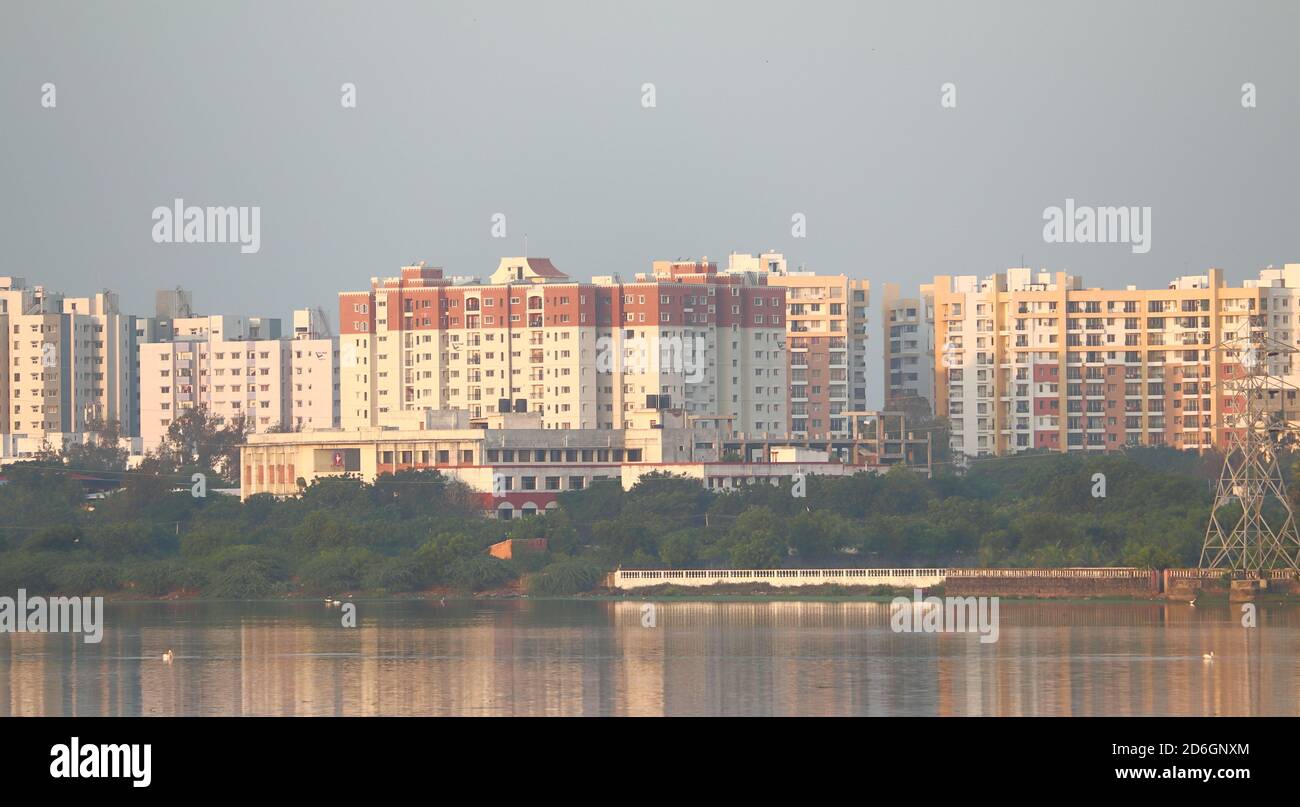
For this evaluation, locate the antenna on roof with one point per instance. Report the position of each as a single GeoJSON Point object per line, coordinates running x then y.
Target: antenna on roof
{"type": "Point", "coordinates": [525, 245]}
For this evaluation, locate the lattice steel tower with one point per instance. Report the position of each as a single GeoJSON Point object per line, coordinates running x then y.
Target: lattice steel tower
{"type": "Point", "coordinates": [1263, 535]}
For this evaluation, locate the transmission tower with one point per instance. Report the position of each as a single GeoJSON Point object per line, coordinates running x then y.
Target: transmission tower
{"type": "Point", "coordinates": [1264, 535]}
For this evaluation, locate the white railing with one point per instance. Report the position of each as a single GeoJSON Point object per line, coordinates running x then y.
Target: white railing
{"type": "Point", "coordinates": [691, 574]}
{"type": "Point", "coordinates": [1099, 573]}
{"type": "Point", "coordinates": [778, 577]}
{"type": "Point", "coordinates": [897, 577]}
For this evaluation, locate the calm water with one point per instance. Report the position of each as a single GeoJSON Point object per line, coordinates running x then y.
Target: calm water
{"type": "Point", "coordinates": [595, 658]}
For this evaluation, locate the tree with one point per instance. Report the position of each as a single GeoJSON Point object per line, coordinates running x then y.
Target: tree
{"type": "Point", "coordinates": [817, 534]}
{"type": "Point", "coordinates": [102, 452]}
{"type": "Point", "coordinates": [197, 441]}
{"type": "Point", "coordinates": [679, 550]}
{"type": "Point", "coordinates": [756, 540]}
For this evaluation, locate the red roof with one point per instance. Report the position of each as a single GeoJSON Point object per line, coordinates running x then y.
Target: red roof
{"type": "Point", "coordinates": [543, 267]}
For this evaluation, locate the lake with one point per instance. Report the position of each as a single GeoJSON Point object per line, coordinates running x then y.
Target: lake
{"type": "Point", "coordinates": [589, 657]}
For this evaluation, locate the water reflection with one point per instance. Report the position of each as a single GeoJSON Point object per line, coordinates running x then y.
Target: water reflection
{"type": "Point", "coordinates": [595, 658]}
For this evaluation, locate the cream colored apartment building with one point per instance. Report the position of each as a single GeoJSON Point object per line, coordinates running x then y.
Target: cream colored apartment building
{"type": "Point", "coordinates": [67, 360]}
{"type": "Point", "coordinates": [826, 343]}
{"type": "Point", "coordinates": [1029, 359]}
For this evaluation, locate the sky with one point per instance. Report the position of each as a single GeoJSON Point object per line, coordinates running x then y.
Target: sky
{"type": "Point", "coordinates": [537, 111]}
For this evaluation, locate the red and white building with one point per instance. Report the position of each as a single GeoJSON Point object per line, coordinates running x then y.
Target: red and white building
{"type": "Point", "coordinates": [582, 355]}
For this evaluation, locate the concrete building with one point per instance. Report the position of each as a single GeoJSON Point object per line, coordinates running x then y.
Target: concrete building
{"type": "Point", "coordinates": [21, 447]}
{"type": "Point", "coordinates": [582, 355]}
{"type": "Point", "coordinates": [908, 329]}
{"type": "Point", "coordinates": [826, 342]}
{"type": "Point", "coordinates": [102, 359]}
{"type": "Point", "coordinates": [519, 465]}
{"type": "Point", "coordinates": [174, 318]}
{"type": "Point", "coordinates": [1035, 360]}
{"type": "Point", "coordinates": [169, 305]}
{"type": "Point", "coordinates": [233, 369]}
{"type": "Point", "coordinates": [68, 362]}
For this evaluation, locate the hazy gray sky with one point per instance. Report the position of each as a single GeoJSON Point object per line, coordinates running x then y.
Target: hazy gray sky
{"type": "Point", "coordinates": [533, 110]}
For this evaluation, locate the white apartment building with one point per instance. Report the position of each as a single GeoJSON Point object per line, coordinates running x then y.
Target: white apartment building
{"type": "Point", "coordinates": [226, 366]}
{"type": "Point", "coordinates": [67, 359]}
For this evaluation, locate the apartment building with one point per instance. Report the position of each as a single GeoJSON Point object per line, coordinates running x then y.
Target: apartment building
{"type": "Point", "coordinates": [826, 343]}
{"type": "Point", "coordinates": [174, 318]}
{"type": "Point", "coordinates": [1034, 360]}
{"type": "Point", "coordinates": [239, 368]}
{"type": "Point", "coordinates": [582, 355]}
{"type": "Point", "coordinates": [312, 391]}
{"type": "Point", "coordinates": [68, 362]}
{"type": "Point", "coordinates": [908, 327]}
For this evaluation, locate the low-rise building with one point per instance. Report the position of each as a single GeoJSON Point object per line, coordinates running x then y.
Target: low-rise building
{"type": "Point", "coordinates": [520, 467]}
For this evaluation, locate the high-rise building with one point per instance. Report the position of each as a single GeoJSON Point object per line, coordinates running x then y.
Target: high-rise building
{"type": "Point", "coordinates": [240, 368]}
{"type": "Point", "coordinates": [67, 359]}
{"type": "Point", "coordinates": [825, 339]}
{"type": "Point", "coordinates": [908, 328]}
{"type": "Point", "coordinates": [102, 356]}
{"type": "Point", "coordinates": [1034, 360]}
{"type": "Point", "coordinates": [174, 318]}
{"type": "Point", "coordinates": [583, 355]}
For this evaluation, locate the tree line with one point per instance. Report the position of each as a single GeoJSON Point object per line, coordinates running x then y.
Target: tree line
{"type": "Point", "coordinates": [419, 530]}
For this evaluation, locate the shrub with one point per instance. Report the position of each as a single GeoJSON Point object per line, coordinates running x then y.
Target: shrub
{"type": "Point", "coordinates": [240, 583]}
{"type": "Point", "coordinates": [245, 572]}
{"type": "Point", "coordinates": [165, 576]}
{"type": "Point", "coordinates": [130, 539]}
{"type": "Point", "coordinates": [55, 538]}
{"type": "Point", "coordinates": [335, 570]}
{"type": "Point", "coordinates": [394, 574]}
{"type": "Point", "coordinates": [83, 578]}
{"type": "Point", "coordinates": [31, 572]}
{"type": "Point", "coordinates": [570, 576]}
{"type": "Point", "coordinates": [478, 572]}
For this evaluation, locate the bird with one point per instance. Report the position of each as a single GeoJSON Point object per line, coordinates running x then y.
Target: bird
{"type": "Point", "coordinates": [1208, 656]}
{"type": "Point", "coordinates": [1192, 602]}
{"type": "Point", "coordinates": [168, 656]}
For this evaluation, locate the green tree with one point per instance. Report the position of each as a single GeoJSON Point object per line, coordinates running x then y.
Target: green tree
{"type": "Point", "coordinates": [756, 540]}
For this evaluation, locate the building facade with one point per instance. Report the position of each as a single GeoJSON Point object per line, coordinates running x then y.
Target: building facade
{"type": "Point", "coordinates": [219, 363]}
{"type": "Point", "coordinates": [68, 362]}
{"type": "Point", "coordinates": [582, 355]}
{"type": "Point", "coordinates": [826, 343]}
{"type": "Point", "coordinates": [1032, 360]}
{"type": "Point", "coordinates": [520, 466]}
{"type": "Point", "coordinates": [908, 329]}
